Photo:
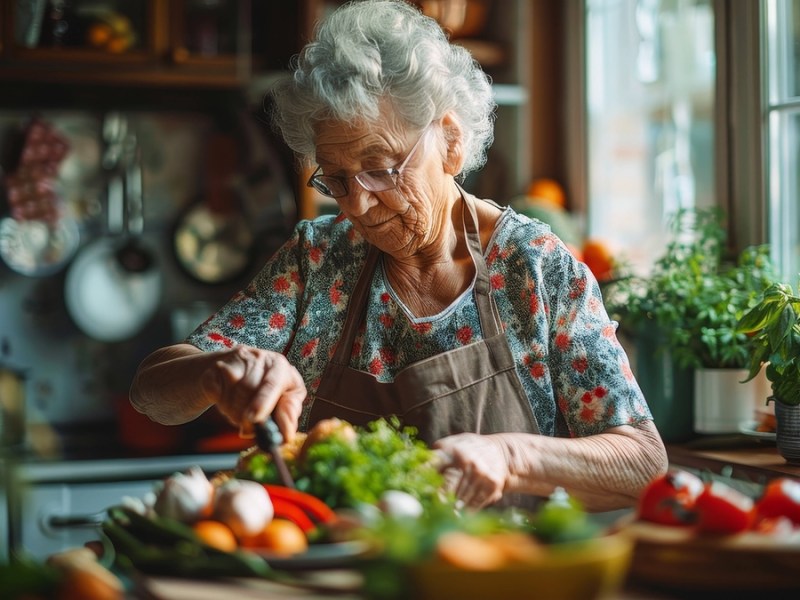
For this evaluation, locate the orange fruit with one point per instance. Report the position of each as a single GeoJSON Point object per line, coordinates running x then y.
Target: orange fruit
{"type": "Point", "coordinates": [282, 537]}
{"type": "Point", "coordinates": [99, 34]}
{"type": "Point", "coordinates": [548, 189]}
{"type": "Point", "coordinates": [86, 584]}
{"type": "Point", "coordinates": [216, 534]}
{"type": "Point", "coordinates": [598, 257]}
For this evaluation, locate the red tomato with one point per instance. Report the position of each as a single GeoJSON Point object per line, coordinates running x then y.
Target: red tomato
{"type": "Point", "coordinates": [670, 499]}
{"type": "Point", "coordinates": [722, 509]}
{"type": "Point", "coordinates": [781, 498]}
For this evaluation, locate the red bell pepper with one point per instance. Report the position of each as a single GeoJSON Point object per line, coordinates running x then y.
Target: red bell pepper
{"type": "Point", "coordinates": [312, 506]}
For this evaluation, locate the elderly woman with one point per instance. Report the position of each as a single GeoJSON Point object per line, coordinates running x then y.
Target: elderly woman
{"type": "Point", "coordinates": [463, 318]}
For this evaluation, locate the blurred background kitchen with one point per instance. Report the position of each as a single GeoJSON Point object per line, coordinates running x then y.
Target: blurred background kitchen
{"type": "Point", "coordinates": [141, 185]}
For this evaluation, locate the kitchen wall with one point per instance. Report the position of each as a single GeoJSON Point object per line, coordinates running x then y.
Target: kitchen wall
{"type": "Point", "coordinates": [71, 378]}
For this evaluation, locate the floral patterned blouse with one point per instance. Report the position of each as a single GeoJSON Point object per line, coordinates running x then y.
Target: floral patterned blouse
{"type": "Point", "coordinates": [574, 371]}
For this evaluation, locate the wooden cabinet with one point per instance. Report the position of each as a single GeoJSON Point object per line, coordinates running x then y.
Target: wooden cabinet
{"type": "Point", "coordinates": [95, 53]}
{"type": "Point", "coordinates": [181, 43]}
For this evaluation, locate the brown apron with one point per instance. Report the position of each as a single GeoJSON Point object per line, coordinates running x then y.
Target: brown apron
{"type": "Point", "coordinates": [474, 388]}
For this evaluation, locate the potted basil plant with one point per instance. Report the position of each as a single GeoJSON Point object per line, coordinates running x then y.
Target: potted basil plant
{"type": "Point", "coordinates": [683, 316]}
{"type": "Point", "coordinates": [773, 327]}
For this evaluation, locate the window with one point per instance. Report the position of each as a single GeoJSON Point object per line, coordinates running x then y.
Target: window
{"type": "Point", "coordinates": [692, 103]}
{"type": "Point", "coordinates": [650, 87]}
{"type": "Point", "coordinates": [782, 37]}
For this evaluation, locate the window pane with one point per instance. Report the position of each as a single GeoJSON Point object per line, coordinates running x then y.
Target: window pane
{"type": "Point", "coordinates": [793, 48]}
{"type": "Point", "coordinates": [784, 182]}
{"type": "Point", "coordinates": [783, 71]}
{"type": "Point", "coordinates": [650, 95]}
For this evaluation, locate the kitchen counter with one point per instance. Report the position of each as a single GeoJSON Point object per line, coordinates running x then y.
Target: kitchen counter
{"type": "Point", "coordinates": [754, 462]}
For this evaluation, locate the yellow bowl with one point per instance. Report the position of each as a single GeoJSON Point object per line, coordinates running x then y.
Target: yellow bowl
{"type": "Point", "coordinates": [574, 571]}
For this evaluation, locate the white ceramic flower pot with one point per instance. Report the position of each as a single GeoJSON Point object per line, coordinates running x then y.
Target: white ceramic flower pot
{"type": "Point", "coordinates": [722, 403]}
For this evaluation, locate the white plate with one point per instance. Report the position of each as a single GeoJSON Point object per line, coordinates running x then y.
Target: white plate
{"type": "Point", "coordinates": [749, 428]}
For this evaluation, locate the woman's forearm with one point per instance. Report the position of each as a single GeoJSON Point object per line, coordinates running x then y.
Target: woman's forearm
{"type": "Point", "coordinates": [168, 385]}
{"type": "Point", "coordinates": [605, 472]}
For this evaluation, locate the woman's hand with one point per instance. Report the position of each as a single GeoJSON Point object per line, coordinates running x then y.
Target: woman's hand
{"type": "Point", "coordinates": [475, 467]}
{"type": "Point", "coordinates": [250, 384]}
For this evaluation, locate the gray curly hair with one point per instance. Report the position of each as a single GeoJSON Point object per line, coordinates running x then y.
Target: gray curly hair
{"type": "Point", "coordinates": [370, 51]}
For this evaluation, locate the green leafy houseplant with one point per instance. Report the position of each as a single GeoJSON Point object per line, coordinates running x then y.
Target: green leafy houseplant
{"type": "Point", "coordinates": [773, 325]}
{"type": "Point", "coordinates": [694, 295]}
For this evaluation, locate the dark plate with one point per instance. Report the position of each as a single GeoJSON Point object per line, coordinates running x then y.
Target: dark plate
{"type": "Point", "coordinates": [318, 556]}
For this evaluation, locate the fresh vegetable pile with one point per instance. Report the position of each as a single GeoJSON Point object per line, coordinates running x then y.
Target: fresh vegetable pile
{"type": "Point", "coordinates": [346, 466]}
{"type": "Point", "coordinates": [681, 499]}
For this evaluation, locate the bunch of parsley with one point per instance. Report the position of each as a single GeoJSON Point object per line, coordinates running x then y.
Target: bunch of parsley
{"type": "Point", "coordinates": [347, 474]}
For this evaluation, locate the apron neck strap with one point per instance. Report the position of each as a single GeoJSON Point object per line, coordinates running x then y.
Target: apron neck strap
{"type": "Point", "coordinates": [487, 311]}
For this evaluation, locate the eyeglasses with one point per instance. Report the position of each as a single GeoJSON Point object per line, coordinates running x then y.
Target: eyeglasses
{"type": "Point", "coordinates": [379, 180]}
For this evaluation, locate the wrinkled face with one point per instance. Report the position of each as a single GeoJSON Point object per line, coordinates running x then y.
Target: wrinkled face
{"type": "Point", "coordinates": [400, 221]}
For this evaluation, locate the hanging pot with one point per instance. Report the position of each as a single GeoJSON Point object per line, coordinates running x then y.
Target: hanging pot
{"type": "Point", "coordinates": [113, 286]}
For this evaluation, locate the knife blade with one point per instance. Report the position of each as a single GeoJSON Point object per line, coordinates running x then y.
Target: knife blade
{"type": "Point", "coordinates": [269, 440]}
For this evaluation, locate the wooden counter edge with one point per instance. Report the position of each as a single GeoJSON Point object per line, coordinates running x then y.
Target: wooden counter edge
{"type": "Point", "coordinates": [757, 464]}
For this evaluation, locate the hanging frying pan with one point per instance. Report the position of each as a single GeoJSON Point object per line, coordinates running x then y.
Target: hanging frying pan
{"type": "Point", "coordinates": [212, 240]}
{"type": "Point", "coordinates": [113, 286]}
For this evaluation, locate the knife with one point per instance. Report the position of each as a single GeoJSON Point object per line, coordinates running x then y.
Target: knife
{"type": "Point", "coordinates": [269, 439]}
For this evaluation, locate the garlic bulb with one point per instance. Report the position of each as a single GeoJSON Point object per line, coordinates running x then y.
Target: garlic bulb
{"type": "Point", "coordinates": [400, 504]}
{"type": "Point", "coordinates": [185, 496]}
{"type": "Point", "coordinates": [244, 506]}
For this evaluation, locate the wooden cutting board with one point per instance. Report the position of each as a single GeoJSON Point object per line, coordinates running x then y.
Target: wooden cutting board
{"type": "Point", "coordinates": [679, 559]}
{"type": "Point", "coordinates": [318, 585]}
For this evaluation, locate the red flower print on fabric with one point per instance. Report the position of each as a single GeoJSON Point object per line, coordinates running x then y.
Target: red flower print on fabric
{"type": "Point", "coordinates": [577, 288]}
{"type": "Point", "coordinates": [315, 254]}
{"type": "Point", "coordinates": [580, 364]}
{"type": "Point", "coordinates": [627, 372]}
{"type": "Point", "coordinates": [277, 321]}
{"type": "Point", "coordinates": [236, 321]}
{"type": "Point", "coordinates": [538, 370]}
{"type": "Point", "coordinates": [533, 304]}
{"type": "Point", "coordinates": [600, 391]}
{"type": "Point", "coordinates": [281, 284]}
{"type": "Point", "coordinates": [309, 348]}
{"type": "Point", "coordinates": [385, 297]}
{"type": "Point", "coordinates": [376, 366]}
{"type": "Point", "coordinates": [464, 334]}
{"type": "Point", "coordinates": [609, 332]}
{"type": "Point", "coordinates": [387, 355]}
{"type": "Point", "coordinates": [335, 293]}
{"type": "Point", "coordinates": [220, 339]}
{"type": "Point", "coordinates": [386, 320]}
{"type": "Point", "coordinates": [590, 414]}
{"type": "Point", "coordinates": [498, 281]}
{"type": "Point", "coordinates": [422, 328]}
{"type": "Point", "coordinates": [587, 397]}
{"type": "Point", "coordinates": [562, 341]}
{"type": "Point", "coordinates": [547, 242]}
{"type": "Point", "coordinates": [493, 253]}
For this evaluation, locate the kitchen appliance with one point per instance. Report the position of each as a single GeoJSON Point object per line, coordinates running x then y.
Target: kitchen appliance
{"type": "Point", "coordinates": [53, 506]}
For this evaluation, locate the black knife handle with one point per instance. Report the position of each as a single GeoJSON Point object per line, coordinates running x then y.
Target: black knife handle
{"type": "Point", "coordinates": [268, 435]}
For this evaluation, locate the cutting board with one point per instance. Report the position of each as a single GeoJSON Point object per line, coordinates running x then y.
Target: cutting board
{"type": "Point", "coordinates": [680, 559]}
{"type": "Point", "coordinates": [317, 585]}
